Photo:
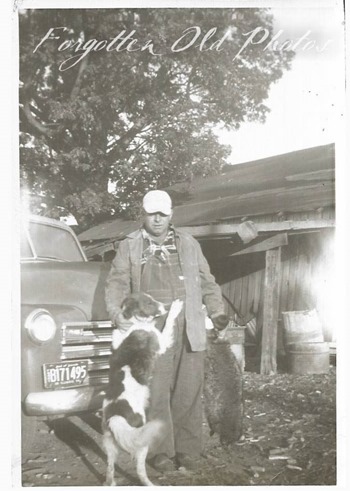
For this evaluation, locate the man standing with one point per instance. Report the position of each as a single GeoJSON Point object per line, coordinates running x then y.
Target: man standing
{"type": "Point", "coordinates": [169, 264]}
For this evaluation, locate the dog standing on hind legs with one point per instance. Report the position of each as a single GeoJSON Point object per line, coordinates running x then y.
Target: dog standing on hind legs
{"type": "Point", "coordinates": [131, 366]}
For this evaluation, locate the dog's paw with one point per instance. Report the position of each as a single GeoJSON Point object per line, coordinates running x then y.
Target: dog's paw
{"type": "Point", "coordinates": [175, 308]}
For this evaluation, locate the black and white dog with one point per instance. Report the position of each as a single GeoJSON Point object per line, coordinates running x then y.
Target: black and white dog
{"type": "Point", "coordinates": [127, 396]}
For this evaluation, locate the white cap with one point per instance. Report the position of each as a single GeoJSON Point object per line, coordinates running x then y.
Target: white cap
{"type": "Point", "coordinates": [157, 201]}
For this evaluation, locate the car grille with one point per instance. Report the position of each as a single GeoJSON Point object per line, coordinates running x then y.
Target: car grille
{"type": "Point", "coordinates": [89, 341]}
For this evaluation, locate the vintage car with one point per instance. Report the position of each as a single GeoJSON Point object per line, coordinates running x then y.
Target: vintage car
{"type": "Point", "coordinates": [65, 333]}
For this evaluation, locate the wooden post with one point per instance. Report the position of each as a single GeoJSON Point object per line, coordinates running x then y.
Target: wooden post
{"type": "Point", "coordinates": [268, 364]}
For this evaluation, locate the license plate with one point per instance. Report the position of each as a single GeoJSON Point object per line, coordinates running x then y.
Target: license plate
{"type": "Point", "coordinates": [68, 374]}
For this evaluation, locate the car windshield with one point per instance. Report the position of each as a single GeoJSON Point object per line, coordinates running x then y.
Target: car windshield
{"type": "Point", "coordinates": [49, 242]}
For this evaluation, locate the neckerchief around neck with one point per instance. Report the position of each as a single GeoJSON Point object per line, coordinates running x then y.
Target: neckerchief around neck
{"type": "Point", "coordinates": [160, 251]}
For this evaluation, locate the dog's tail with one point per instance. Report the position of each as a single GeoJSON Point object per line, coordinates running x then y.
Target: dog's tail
{"type": "Point", "coordinates": [130, 438]}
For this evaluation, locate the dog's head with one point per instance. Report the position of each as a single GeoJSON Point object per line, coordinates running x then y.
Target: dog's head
{"type": "Point", "coordinates": [142, 306]}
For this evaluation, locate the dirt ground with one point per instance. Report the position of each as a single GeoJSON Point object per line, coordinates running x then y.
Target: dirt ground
{"type": "Point", "coordinates": [289, 439]}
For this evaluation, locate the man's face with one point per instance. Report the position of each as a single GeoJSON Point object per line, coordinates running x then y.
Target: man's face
{"type": "Point", "coordinates": [157, 224]}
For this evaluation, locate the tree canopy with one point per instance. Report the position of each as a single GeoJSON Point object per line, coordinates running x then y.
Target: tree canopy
{"type": "Point", "coordinates": [114, 102]}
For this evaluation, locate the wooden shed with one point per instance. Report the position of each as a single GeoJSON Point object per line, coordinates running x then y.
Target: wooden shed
{"type": "Point", "coordinates": [267, 230]}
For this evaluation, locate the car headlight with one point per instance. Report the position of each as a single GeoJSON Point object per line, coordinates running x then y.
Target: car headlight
{"type": "Point", "coordinates": [40, 325]}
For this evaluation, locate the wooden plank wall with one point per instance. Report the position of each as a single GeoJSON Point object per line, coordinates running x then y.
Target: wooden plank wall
{"type": "Point", "coordinates": [302, 262]}
{"type": "Point", "coordinates": [272, 289]}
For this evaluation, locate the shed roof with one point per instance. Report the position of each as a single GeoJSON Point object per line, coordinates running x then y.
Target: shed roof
{"type": "Point", "coordinates": [298, 181]}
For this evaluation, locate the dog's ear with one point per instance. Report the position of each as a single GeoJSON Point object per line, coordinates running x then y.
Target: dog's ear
{"type": "Point", "coordinates": [129, 306]}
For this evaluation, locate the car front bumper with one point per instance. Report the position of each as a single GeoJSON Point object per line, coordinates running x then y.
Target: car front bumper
{"type": "Point", "coordinates": [65, 401]}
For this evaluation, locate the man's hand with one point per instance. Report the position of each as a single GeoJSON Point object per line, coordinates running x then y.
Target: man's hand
{"type": "Point", "coordinates": [220, 321]}
{"type": "Point", "coordinates": [121, 323]}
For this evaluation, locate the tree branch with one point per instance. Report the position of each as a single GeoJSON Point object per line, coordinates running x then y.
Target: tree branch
{"type": "Point", "coordinates": [44, 130]}
{"type": "Point", "coordinates": [78, 80]}
{"type": "Point", "coordinates": [129, 135]}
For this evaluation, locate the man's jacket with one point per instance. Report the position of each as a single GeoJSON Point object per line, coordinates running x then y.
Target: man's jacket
{"type": "Point", "coordinates": [200, 286]}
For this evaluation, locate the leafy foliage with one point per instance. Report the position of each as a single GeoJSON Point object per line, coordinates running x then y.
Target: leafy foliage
{"type": "Point", "coordinates": [139, 119]}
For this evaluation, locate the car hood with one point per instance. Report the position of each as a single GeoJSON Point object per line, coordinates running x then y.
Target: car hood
{"type": "Point", "coordinates": [77, 284]}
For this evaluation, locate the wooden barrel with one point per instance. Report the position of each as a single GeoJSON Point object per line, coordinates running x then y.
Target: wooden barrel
{"type": "Point", "coordinates": [303, 326]}
{"type": "Point", "coordinates": [308, 358]}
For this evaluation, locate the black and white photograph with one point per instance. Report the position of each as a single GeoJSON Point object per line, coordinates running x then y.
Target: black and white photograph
{"type": "Point", "coordinates": [182, 321]}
